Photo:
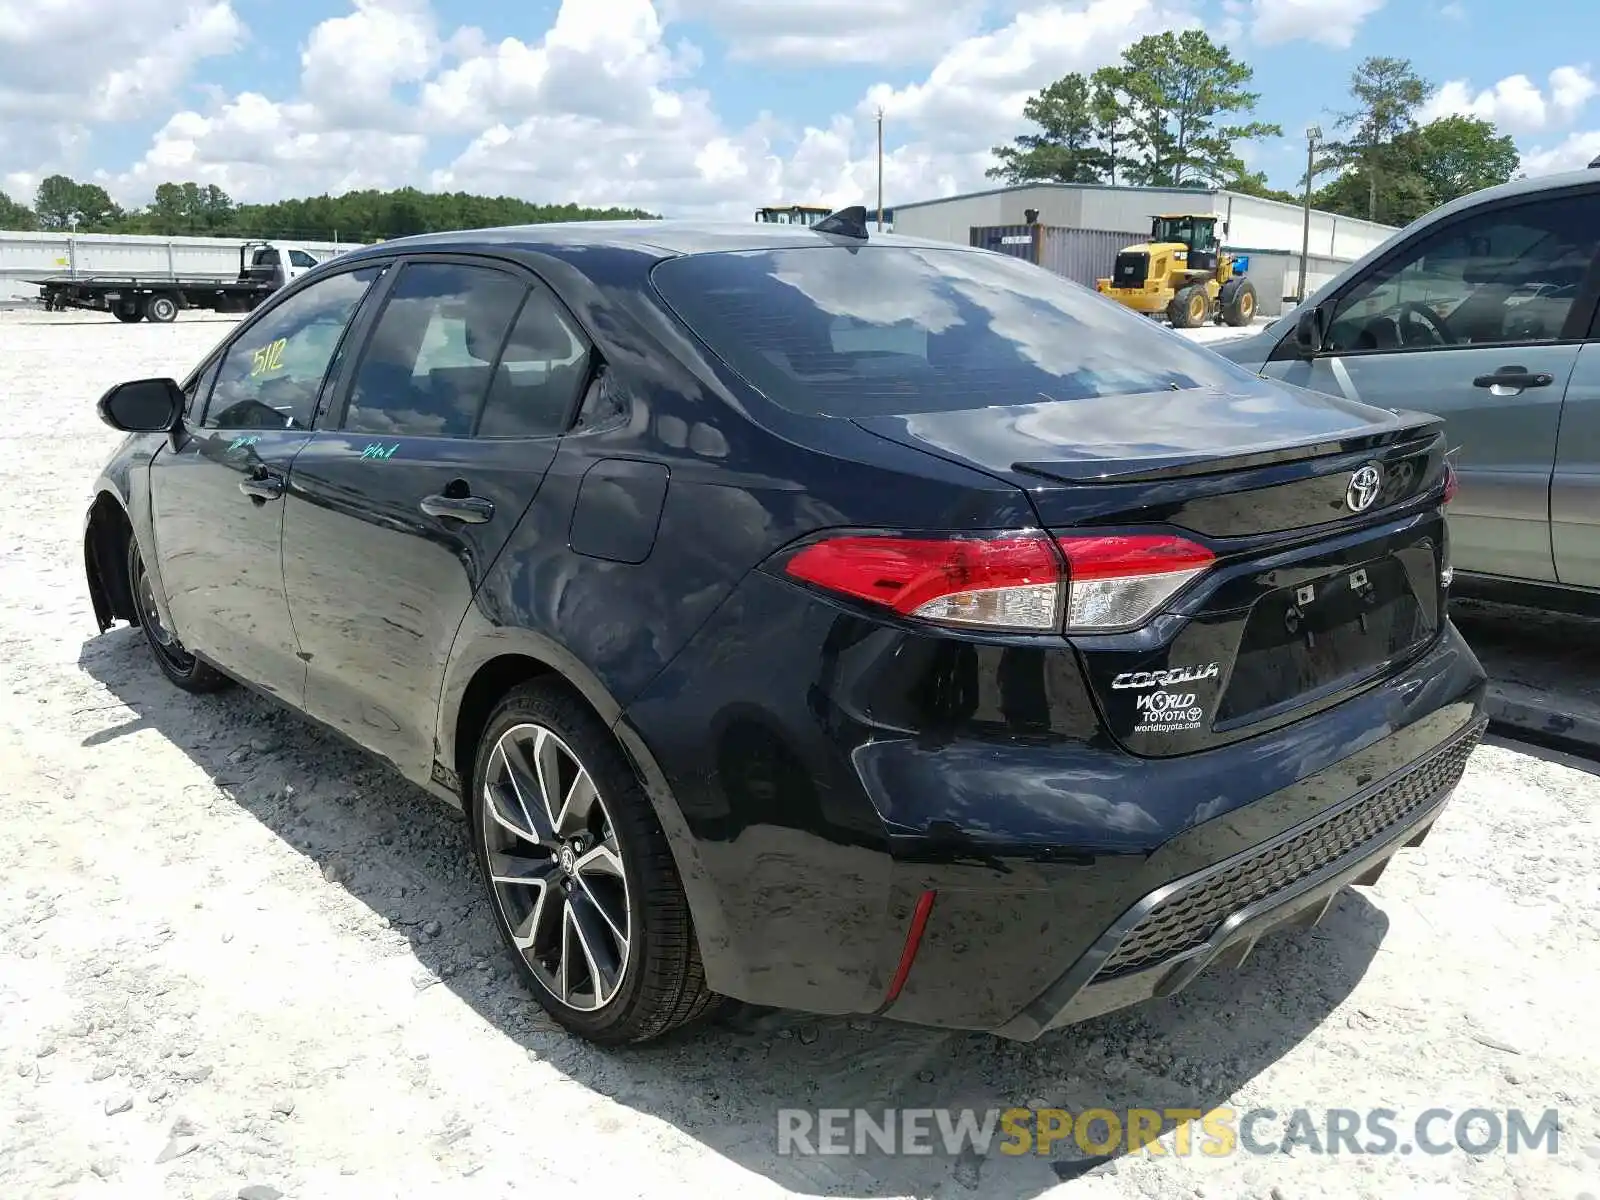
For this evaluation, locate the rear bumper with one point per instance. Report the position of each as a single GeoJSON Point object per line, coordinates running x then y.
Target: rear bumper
{"type": "Point", "coordinates": [1216, 916]}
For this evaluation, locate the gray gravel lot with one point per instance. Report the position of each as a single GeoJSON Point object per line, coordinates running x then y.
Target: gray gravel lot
{"type": "Point", "coordinates": [236, 955]}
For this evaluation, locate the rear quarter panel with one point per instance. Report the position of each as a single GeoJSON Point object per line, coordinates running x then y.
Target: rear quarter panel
{"type": "Point", "coordinates": [742, 479]}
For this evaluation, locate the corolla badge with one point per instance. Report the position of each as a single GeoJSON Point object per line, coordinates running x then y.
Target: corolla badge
{"type": "Point", "coordinates": [1162, 679]}
{"type": "Point", "coordinates": [1364, 487]}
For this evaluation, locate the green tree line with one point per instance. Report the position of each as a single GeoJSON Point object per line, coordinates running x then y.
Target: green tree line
{"type": "Point", "coordinates": [1175, 109]}
{"type": "Point", "coordinates": [206, 210]}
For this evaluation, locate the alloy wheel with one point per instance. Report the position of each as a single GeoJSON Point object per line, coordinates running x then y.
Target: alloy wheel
{"type": "Point", "coordinates": [555, 867]}
{"type": "Point", "coordinates": [165, 641]}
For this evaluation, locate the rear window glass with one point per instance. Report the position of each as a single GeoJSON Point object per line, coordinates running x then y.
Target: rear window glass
{"type": "Point", "coordinates": [891, 329]}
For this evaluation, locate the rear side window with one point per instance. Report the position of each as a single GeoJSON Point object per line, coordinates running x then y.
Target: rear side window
{"type": "Point", "coordinates": [430, 360]}
{"type": "Point", "coordinates": [536, 383]}
{"type": "Point", "coordinates": [878, 330]}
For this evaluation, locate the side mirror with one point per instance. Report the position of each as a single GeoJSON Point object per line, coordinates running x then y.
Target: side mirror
{"type": "Point", "coordinates": [143, 406]}
{"type": "Point", "coordinates": [1311, 331]}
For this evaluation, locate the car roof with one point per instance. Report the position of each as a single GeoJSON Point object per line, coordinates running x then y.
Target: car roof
{"type": "Point", "coordinates": [665, 238]}
{"type": "Point", "coordinates": [1506, 191]}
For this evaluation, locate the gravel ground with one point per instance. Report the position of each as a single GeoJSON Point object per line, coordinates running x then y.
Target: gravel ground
{"type": "Point", "coordinates": [239, 959]}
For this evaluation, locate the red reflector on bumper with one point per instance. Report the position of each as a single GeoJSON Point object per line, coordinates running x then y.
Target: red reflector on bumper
{"type": "Point", "coordinates": [919, 922]}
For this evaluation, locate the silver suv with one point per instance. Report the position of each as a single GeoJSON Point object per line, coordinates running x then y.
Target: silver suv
{"type": "Point", "coordinates": [1483, 311]}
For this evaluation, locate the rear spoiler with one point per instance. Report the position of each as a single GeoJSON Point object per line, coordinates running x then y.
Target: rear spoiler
{"type": "Point", "coordinates": [1410, 432]}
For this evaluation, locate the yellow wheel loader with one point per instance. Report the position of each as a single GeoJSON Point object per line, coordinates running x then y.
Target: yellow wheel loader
{"type": "Point", "coordinates": [1182, 274]}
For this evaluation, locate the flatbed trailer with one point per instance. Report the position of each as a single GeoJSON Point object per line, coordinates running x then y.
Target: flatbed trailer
{"type": "Point", "coordinates": [264, 267]}
{"type": "Point", "coordinates": [158, 298]}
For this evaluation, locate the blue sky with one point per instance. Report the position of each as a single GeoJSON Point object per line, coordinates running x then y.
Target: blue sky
{"type": "Point", "coordinates": [690, 106]}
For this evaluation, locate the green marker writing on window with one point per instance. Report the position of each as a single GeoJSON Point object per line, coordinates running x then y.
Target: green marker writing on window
{"type": "Point", "coordinates": [379, 450]}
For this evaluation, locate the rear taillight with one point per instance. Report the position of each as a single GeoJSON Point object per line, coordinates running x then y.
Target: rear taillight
{"type": "Point", "coordinates": [1008, 582]}
{"type": "Point", "coordinates": [1118, 582]}
{"type": "Point", "coordinates": [1451, 483]}
{"type": "Point", "coordinates": [1024, 581]}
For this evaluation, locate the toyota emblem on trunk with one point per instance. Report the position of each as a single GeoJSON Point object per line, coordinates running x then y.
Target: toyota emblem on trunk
{"type": "Point", "coordinates": [1364, 487]}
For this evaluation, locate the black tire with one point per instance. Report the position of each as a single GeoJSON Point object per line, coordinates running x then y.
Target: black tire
{"type": "Point", "coordinates": [128, 312]}
{"type": "Point", "coordinates": [176, 663]}
{"type": "Point", "coordinates": [661, 985]}
{"type": "Point", "coordinates": [160, 309]}
{"type": "Point", "coordinates": [1238, 302]}
{"type": "Point", "coordinates": [1188, 307]}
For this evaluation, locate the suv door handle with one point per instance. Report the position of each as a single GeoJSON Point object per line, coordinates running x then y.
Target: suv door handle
{"type": "Point", "coordinates": [474, 510]}
{"type": "Point", "coordinates": [262, 484]}
{"type": "Point", "coordinates": [1514, 379]}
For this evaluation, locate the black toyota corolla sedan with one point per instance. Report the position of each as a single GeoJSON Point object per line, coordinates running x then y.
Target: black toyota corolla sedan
{"type": "Point", "coordinates": [822, 619]}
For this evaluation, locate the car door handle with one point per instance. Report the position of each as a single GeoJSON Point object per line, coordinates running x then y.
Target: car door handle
{"type": "Point", "coordinates": [262, 484]}
{"type": "Point", "coordinates": [474, 510]}
{"type": "Point", "coordinates": [1514, 378]}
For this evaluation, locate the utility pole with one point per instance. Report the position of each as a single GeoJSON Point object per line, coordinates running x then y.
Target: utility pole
{"type": "Point", "coordinates": [1313, 136]}
{"type": "Point", "coordinates": [880, 170]}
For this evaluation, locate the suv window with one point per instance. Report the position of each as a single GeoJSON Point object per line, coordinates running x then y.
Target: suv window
{"type": "Point", "coordinates": [544, 363]}
{"type": "Point", "coordinates": [889, 329]}
{"type": "Point", "coordinates": [299, 258]}
{"type": "Point", "coordinates": [271, 375]}
{"type": "Point", "coordinates": [1506, 275]}
{"type": "Point", "coordinates": [427, 367]}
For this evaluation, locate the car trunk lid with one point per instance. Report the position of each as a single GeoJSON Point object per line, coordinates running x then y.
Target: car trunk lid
{"type": "Point", "coordinates": [1328, 536]}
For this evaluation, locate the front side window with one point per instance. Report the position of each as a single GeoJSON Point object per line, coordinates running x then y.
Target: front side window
{"type": "Point", "coordinates": [1509, 275]}
{"type": "Point", "coordinates": [881, 330]}
{"type": "Point", "coordinates": [271, 376]}
{"type": "Point", "coordinates": [299, 258]}
{"type": "Point", "coordinates": [194, 396]}
{"type": "Point", "coordinates": [430, 360]}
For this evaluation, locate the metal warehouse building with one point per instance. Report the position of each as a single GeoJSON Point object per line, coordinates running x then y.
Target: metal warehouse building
{"type": "Point", "coordinates": [1087, 222]}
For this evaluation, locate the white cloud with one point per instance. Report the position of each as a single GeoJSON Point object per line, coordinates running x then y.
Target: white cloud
{"type": "Point", "coordinates": [973, 96]}
{"type": "Point", "coordinates": [602, 110]}
{"type": "Point", "coordinates": [1453, 11]}
{"type": "Point", "coordinates": [1275, 21]}
{"type": "Point", "coordinates": [256, 149]}
{"type": "Point", "coordinates": [1573, 153]}
{"type": "Point", "coordinates": [1571, 88]}
{"type": "Point", "coordinates": [1516, 104]}
{"type": "Point", "coordinates": [351, 64]}
{"type": "Point", "coordinates": [834, 31]}
{"type": "Point", "coordinates": [104, 60]}
{"type": "Point", "coordinates": [606, 63]}
{"type": "Point", "coordinates": [1235, 16]}
{"type": "Point", "coordinates": [67, 65]}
